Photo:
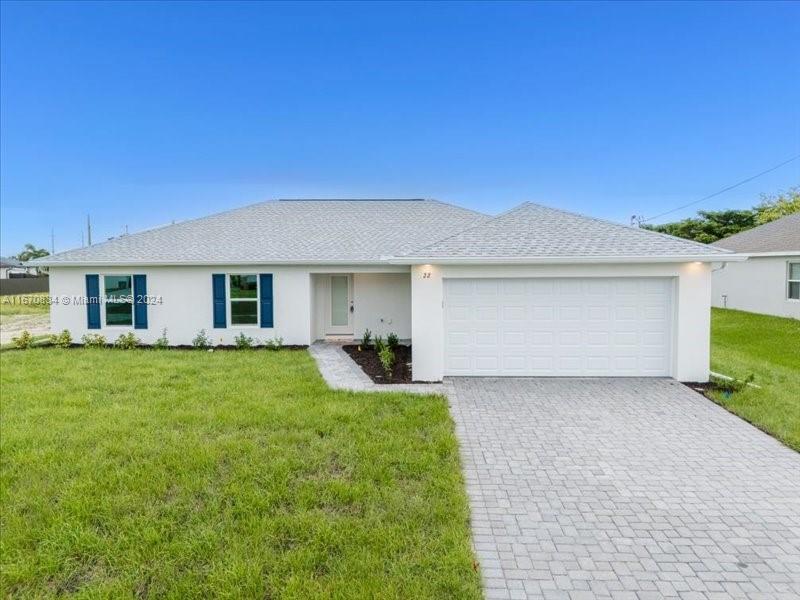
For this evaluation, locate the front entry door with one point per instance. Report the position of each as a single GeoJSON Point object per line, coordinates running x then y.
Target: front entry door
{"type": "Point", "coordinates": [340, 315]}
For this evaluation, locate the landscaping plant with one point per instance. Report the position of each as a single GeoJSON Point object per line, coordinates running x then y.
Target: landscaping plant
{"type": "Point", "coordinates": [243, 342]}
{"type": "Point", "coordinates": [366, 339]}
{"type": "Point", "coordinates": [162, 343]}
{"type": "Point", "coordinates": [24, 340]}
{"type": "Point", "coordinates": [392, 340]}
{"type": "Point", "coordinates": [94, 340]}
{"type": "Point", "coordinates": [386, 356]}
{"type": "Point", "coordinates": [201, 341]}
{"type": "Point", "coordinates": [379, 344]}
{"type": "Point", "coordinates": [62, 340]}
{"type": "Point", "coordinates": [273, 343]}
{"type": "Point", "coordinates": [127, 341]}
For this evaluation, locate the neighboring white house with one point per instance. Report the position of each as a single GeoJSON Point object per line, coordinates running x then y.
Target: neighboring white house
{"type": "Point", "coordinates": [11, 267]}
{"type": "Point", "coordinates": [533, 291]}
{"type": "Point", "coordinates": [769, 282]}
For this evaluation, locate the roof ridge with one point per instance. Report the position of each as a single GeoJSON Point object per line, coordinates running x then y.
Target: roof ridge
{"type": "Point", "coordinates": [460, 231]}
{"type": "Point", "coordinates": [623, 226]}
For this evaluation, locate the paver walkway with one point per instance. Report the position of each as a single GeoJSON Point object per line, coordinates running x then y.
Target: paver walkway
{"type": "Point", "coordinates": [624, 488]}
{"type": "Point", "coordinates": [341, 373]}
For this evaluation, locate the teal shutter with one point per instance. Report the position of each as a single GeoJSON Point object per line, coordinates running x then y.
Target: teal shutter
{"type": "Point", "coordinates": [265, 287]}
{"type": "Point", "coordinates": [218, 291]}
{"type": "Point", "coordinates": [139, 303]}
{"type": "Point", "coordinates": [93, 301]}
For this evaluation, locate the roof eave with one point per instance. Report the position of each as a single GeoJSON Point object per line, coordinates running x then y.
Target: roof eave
{"type": "Point", "coordinates": [539, 260]}
{"type": "Point", "coordinates": [201, 263]}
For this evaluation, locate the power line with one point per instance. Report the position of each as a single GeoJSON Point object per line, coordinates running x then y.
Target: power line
{"type": "Point", "coordinates": [722, 191]}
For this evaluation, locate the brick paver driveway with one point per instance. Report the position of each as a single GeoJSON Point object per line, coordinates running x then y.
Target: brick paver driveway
{"type": "Point", "coordinates": [624, 488]}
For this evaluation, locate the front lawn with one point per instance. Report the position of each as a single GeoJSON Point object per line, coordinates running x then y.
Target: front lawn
{"type": "Point", "coordinates": [768, 347]}
{"type": "Point", "coordinates": [238, 474]}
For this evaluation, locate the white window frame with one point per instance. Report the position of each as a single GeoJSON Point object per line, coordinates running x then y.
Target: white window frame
{"type": "Point", "coordinates": [103, 321]}
{"type": "Point", "coordinates": [257, 300]}
{"type": "Point", "coordinates": [790, 281]}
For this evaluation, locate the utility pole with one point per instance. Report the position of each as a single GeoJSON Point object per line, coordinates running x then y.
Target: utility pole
{"type": "Point", "coordinates": [83, 245]}
{"type": "Point", "coordinates": [89, 230]}
{"type": "Point", "coordinates": [52, 241]}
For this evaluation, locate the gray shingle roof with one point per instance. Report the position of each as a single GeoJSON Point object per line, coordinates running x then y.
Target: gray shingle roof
{"type": "Point", "coordinates": [782, 235]}
{"type": "Point", "coordinates": [535, 231]}
{"type": "Point", "coordinates": [338, 231]}
{"type": "Point", "coordinates": [286, 231]}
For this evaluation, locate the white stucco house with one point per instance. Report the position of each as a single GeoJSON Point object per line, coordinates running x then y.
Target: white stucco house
{"type": "Point", "coordinates": [534, 291]}
{"type": "Point", "coordinates": [769, 282]}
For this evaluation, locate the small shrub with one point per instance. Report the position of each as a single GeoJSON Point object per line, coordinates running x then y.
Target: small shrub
{"type": "Point", "coordinates": [379, 344]}
{"type": "Point", "coordinates": [386, 356]}
{"type": "Point", "coordinates": [62, 340]}
{"type": "Point", "coordinates": [127, 341]}
{"type": "Point", "coordinates": [392, 340]}
{"type": "Point", "coordinates": [243, 342]}
{"type": "Point", "coordinates": [273, 343]}
{"type": "Point", "coordinates": [162, 343]}
{"type": "Point", "coordinates": [366, 339]}
{"type": "Point", "coordinates": [201, 341]}
{"type": "Point", "coordinates": [24, 340]}
{"type": "Point", "coordinates": [94, 340]}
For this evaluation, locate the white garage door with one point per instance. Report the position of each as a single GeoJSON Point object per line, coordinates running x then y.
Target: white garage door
{"type": "Point", "coordinates": [558, 327]}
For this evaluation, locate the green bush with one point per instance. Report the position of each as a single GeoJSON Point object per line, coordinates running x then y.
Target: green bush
{"type": "Point", "coordinates": [243, 342]}
{"type": "Point", "coordinates": [94, 340]}
{"type": "Point", "coordinates": [386, 356]}
{"type": "Point", "coordinates": [201, 341]}
{"type": "Point", "coordinates": [62, 340]}
{"type": "Point", "coordinates": [162, 343]}
{"type": "Point", "coordinates": [273, 343]}
{"type": "Point", "coordinates": [379, 344]}
{"type": "Point", "coordinates": [392, 340]}
{"type": "Point", "coordinates": [127, 341]}
{"type": "Point", "coordinates": [366, 339]}
{"type": "Point", "coordinates": [24, 340]}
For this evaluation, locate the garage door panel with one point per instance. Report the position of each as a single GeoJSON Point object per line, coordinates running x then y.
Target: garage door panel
{"type": "Point", "coordinates": [562, 327]}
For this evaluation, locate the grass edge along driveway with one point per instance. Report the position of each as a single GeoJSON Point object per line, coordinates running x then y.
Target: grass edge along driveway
{"type": "Point", "coordinates": [239, 474]}
{"type": "Point", "coordinates": [768, 347]}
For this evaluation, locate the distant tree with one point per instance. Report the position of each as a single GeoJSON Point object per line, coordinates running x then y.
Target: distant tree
{"type": "Point", "coordinates": [779, 205]}
{"type": "Point", "coordinates": [30, 252]}
{"type": "Point", "coordinates": [709, 226]}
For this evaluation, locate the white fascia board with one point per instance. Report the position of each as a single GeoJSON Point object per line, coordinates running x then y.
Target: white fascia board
{"type": "Point", "coordinates": [577, 260]}
{"type": "Point", "coordinates": [767, 254]}
{"type": "Point", "coordinates": [201, 263]}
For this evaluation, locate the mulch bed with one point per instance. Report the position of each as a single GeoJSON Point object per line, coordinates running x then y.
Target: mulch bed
{"type": "Point", "coordinates": [367, 359]}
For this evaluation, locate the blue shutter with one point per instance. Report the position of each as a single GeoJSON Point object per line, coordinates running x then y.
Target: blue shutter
{"type": "Point", "coordinates": [93, 301]}
{"type": "Point", "coordinates": [218, 288]}
{"type": "Point", "coordinates": [265, 287]}
{"type": "Point", "coordinates": [139, 304]}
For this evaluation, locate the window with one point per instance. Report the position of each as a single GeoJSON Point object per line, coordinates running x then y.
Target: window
{"type": "Point", "coordinates": [118, 300]}
{"type": "Point", "coordinates": [794, 281]}
{"type": "Point", "coordinates": [244, 299]}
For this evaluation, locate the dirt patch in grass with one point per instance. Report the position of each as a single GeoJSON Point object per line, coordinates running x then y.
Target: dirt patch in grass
{"type": "Point", "coordinates": [368, 360]}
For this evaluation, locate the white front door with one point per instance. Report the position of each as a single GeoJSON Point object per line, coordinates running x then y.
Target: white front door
{"type": "Point", "coordinates": [558, 327]}
{"type": "Point", "coordinates": [340, 315]}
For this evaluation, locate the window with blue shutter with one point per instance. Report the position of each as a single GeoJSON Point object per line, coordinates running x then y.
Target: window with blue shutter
{"type": "Point", "coordinates": [93, 301]}
{"type": "Point", "coordinates": [140, 302]}
{"type": "Point", "coordinates": [218, 292]}
{"type": "Point", "coordinates": [265, 290]}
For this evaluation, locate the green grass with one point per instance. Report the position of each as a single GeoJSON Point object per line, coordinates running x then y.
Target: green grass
{"type": "Point", "coordinates": [768, 347]}
{"type": "Point", "coordinates": [227, 474]}
{"type": "Point", "coordinates": [24, 304]}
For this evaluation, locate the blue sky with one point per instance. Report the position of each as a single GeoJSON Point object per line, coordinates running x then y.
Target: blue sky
{"type": "Point", "coordinates": [144, 113]}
